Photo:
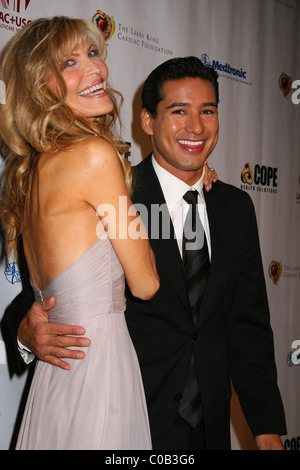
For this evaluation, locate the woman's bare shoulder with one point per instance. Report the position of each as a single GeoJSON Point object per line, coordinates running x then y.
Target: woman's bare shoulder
{"type": "Point", "coordinates": [93, 155]}
{"type": "Point", "coordinates": [95, 161]}
{"type": "Point", "coordinates": [95, 150]}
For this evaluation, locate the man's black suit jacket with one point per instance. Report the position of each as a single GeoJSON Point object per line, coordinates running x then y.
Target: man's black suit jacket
{"type": "Point", "coordinates": [232, 340]}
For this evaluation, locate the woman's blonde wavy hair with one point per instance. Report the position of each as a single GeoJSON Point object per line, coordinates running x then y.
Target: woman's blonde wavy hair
{"type": "Point", "coordinates": [33, 120]}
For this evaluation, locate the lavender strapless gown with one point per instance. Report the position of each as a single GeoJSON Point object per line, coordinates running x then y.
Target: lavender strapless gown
{"type": "Point", "coordinates": [99, 403]}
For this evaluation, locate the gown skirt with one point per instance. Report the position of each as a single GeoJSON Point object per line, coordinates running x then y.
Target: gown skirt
{"type": "Point", "coordinates": [99, 403]}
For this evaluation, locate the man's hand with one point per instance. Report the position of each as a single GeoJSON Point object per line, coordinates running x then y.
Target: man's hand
{"type": "Point", "coordinates": [48, 341]}
{"type": "Point", "coordinates": [269, 442]}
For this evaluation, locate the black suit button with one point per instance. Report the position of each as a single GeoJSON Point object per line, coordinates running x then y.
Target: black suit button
{"type": "Point", "coordinates": [195, 336]}
{"type": "Point", "coordinates": [177, 397]}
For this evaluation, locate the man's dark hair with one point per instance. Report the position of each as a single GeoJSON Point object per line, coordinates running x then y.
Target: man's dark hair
{"type": "Point", "coordinates": [175, 69]}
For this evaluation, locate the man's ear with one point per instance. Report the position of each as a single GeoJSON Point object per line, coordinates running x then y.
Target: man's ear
{"type": "Point", "coordinates": [146, 121]}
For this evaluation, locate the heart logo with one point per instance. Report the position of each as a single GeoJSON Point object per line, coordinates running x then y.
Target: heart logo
{"type": "Point", "coordinates": [105, 23]}
{"type": "Point", "coordinates": [285, 84]}
{"type": "Point", "coordinates": [275, 271]}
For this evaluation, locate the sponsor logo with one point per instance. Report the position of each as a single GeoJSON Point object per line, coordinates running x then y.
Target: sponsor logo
{"type": "Point", "coordinates": [237, 74]}
{"type": "Point", "coordinates": [12, 17]}
{"type": "Point", "coordinates": [292, 444]}
{"type": "Point", "coordinates": [129, 34]}
{"type": "Point", "coordinates": [288, 271]}
{"type": "Point", "coordinates": [15, 5]}
{"type": "Point", "coordinates": [285, 84]}
{"type": "Point", "coordinates": [291, 271]}
{"type": "Point", "coordinates": [105, 23]}
{"type": "Point", "coordinates": [275, 271]}
{"type": "Point", "coordinates": [12, 273]}
{"type": "Point", "coordinates": [261, 178]}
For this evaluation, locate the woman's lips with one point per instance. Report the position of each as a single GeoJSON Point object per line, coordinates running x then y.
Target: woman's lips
{"type": "Point", "coordinates": [93, 90]}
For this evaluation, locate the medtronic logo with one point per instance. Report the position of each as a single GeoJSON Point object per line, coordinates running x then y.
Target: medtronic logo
{"type": "Point", "coordinates": [205, 59]}
{"type": "Point", "coordinates": [226, 71]}
{"type": "Point", "coordinates": [224, 67]}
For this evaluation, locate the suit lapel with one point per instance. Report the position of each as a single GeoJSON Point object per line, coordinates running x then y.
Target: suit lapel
{"type": "Point", "coordinates": [216, 212]}
{"type": "Point", "coordinates": [218, 219]}
{"type": "Point", "coordinates": [147, 191]}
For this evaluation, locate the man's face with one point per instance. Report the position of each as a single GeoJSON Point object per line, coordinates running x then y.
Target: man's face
{"type": "Point", "coordinates": [185, 130]}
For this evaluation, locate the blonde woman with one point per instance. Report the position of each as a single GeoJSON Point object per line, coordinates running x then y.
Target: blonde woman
{"type": "Point", "coordinates": [64, 163]}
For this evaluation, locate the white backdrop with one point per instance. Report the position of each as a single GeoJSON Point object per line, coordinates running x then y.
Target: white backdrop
{"type": "Point", "coordinates": [255, 47]}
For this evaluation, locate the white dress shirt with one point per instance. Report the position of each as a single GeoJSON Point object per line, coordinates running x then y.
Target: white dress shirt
{"type": "Point", "coordinates": [174, 189]}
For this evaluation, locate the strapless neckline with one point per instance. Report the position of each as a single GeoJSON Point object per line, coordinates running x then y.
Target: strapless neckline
{"type": "Point", "coordinates": [40, 292]}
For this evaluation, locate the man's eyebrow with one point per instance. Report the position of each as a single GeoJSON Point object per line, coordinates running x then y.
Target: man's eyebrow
{"type": "Point", "coordinates": [183, 104]}
{"type": "Point", "coordinates": [176, 105]}
{"type": "Point", "coordinates": [210, 104]}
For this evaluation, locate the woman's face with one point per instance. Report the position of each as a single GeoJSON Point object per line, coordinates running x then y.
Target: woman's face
{"type": "Point", "coordinates": [85, 75]}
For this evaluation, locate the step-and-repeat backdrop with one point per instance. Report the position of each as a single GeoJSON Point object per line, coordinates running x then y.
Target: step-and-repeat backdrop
{"type": "Point", "coordinates": [254, 45]}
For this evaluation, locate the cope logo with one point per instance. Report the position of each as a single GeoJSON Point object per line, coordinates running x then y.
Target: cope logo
{"type": "Point", "coordinates": [261, 178]}
{"type": "Point", "coordinates": [105, 23]}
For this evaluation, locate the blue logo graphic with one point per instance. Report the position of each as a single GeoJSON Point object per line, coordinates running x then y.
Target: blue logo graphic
{"type": "Point", "coordinates": [226, 68]}
{"type": "Point", "coordinates": [12, 273]}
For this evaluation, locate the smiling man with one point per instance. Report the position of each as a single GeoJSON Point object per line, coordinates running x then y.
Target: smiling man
{"type": "Point", "coordinates": [184, 131]}
{"type": "Point", "coordinates": [209, 323]}
{"type": "Point", "coordinates": [231, 337]}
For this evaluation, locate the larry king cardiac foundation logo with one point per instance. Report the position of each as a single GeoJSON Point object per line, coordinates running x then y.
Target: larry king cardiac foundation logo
{"type": "Point", "coordinates": [105, 23]}
{"type": "Point", "coordinates": [15, 5]}
{"type": "Point", "coordinates": [285, 84]}
{"type": "Point", "coordinates": [275, 271]}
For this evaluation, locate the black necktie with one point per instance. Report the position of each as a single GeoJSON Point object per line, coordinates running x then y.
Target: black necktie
{"type": "Point", "coordinates": [196, 267]}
